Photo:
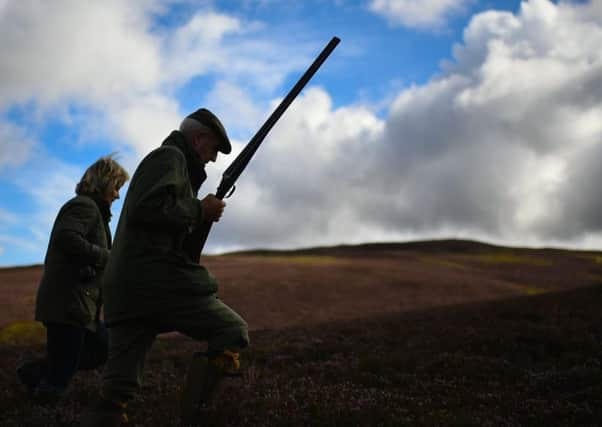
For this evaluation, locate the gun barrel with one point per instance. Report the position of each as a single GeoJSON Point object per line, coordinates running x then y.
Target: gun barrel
{"type": "Point", "coordinates": [240, 163]}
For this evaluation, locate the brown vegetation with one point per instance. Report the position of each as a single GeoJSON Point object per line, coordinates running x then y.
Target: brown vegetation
{"type": "Point", "coordinates": [432, 333]}
{"type": "Point", "coordinates": [279, 289]}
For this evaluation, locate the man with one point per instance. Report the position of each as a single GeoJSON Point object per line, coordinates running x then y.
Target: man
{"type": "Point", "coordinates": [152, 284]}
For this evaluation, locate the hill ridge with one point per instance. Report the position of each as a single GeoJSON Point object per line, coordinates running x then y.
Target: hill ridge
{"type": "Point", "coordinates": [429, 245]}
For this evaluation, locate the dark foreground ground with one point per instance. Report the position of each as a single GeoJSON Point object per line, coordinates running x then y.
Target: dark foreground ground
{"type": "Point", "coordinates": [523, 361]}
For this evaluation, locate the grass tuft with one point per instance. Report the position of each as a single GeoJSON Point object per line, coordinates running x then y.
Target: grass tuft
{"type": "Point", "coordinates": [22, 333]}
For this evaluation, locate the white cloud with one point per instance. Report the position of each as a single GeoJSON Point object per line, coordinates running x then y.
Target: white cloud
{"type": "Point", "coordinates": [145, 122]}
{"type": "Point", "coordinates": [90, 51]}
{"type": "Point", "coordinates": [423, 14]}
{"type": "Point", "coordinates": [15, 145]}
{"type": "Point", "coordinates": [504, 146]}
{"type": "Point", "coordinates": [495, 142]}
{"type": "Point", "coordinates": [234, 106]}
{"type": "Point", "coordinates": [195, 47]}
{"type": "Point", "coordinates": [590, 10]}
{"type": "Point", "coordinates": [109, 59]}
{"type": "Point", "coordinates": [301, 187]}
{"type": "Point", "coordinates": [107, 70]}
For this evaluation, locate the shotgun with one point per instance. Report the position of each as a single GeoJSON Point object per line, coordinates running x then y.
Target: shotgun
{"type": "Point", "coordinates": [226, 187]}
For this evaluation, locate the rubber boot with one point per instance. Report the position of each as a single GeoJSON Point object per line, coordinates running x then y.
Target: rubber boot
{"type": "Point", "coordinates": [105, 413]}
{"type": "Point", "coordinates": [202, 382]}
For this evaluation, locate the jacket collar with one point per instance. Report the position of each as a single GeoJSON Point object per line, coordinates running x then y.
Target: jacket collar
{"type": "Point", "coordinates": [196, 169]}
{"type": "Point", "coordinates": [103, 207]}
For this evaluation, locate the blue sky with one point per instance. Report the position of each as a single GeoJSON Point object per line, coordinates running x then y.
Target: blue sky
{"type": "Point", "coordinates": [431, 119]}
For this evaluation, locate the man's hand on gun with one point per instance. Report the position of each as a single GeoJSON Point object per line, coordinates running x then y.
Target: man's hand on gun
{"type": "Point", "coordinates": [212, 208]}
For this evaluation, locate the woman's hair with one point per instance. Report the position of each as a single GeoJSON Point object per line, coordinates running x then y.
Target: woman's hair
{"type": "Point", "coordinates": [103, 175]}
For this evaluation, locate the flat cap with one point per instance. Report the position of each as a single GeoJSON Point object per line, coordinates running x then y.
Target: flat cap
{"type": "Point", "coordinates": [207, 118]}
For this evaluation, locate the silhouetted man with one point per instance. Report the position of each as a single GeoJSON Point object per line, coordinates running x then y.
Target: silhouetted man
{"type": "Point", "coordinates": [152, 284]}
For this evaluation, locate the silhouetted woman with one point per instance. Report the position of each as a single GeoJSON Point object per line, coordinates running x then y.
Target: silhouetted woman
{"type": "Point", "coordinates": [69, 297]}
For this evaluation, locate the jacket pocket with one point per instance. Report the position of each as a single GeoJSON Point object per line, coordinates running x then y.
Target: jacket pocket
{"type": "Point", "coordinates": [84, 303]}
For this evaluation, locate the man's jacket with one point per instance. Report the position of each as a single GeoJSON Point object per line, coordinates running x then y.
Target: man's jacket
{"type": "Point", "coordinates": [78, 250]}
{"type": "Point", "coordinates": [149, 271]}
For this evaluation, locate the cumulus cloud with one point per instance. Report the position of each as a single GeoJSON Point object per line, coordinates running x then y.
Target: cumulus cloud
{"type": "Point", "coordinates": [131, 71]}
{"type": "Point", "coordinates": [424, 14]}
{"type": "Point", "coordinates": [300, 187]}
{"type": "Point", "coordinates": [504, 145]}
{"type": "Point", "coordinates": [500, 143]}
{"type": "Point", "coordinates": [505, 131]}
{"type": "Point", "coordinates": [111, 71]}
{"type": "Point", "coordinates": [234, 106]}
{"type": "Point", "coordinates": [92, 52]}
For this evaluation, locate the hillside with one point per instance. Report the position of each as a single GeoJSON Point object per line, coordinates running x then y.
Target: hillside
{"type": "Point", "coordinates": [422, 334]}
{"type": "Point", "coordinates": [522, 361]}
{"type": "Point", "coordinates": [325, 284]}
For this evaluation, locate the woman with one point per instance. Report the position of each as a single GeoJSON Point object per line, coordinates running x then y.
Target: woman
{"type": "Point", "coordinates": [69, 297]}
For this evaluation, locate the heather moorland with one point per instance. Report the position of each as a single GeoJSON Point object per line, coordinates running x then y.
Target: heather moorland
{"type": "Point", "coordinates": [428, 333]}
